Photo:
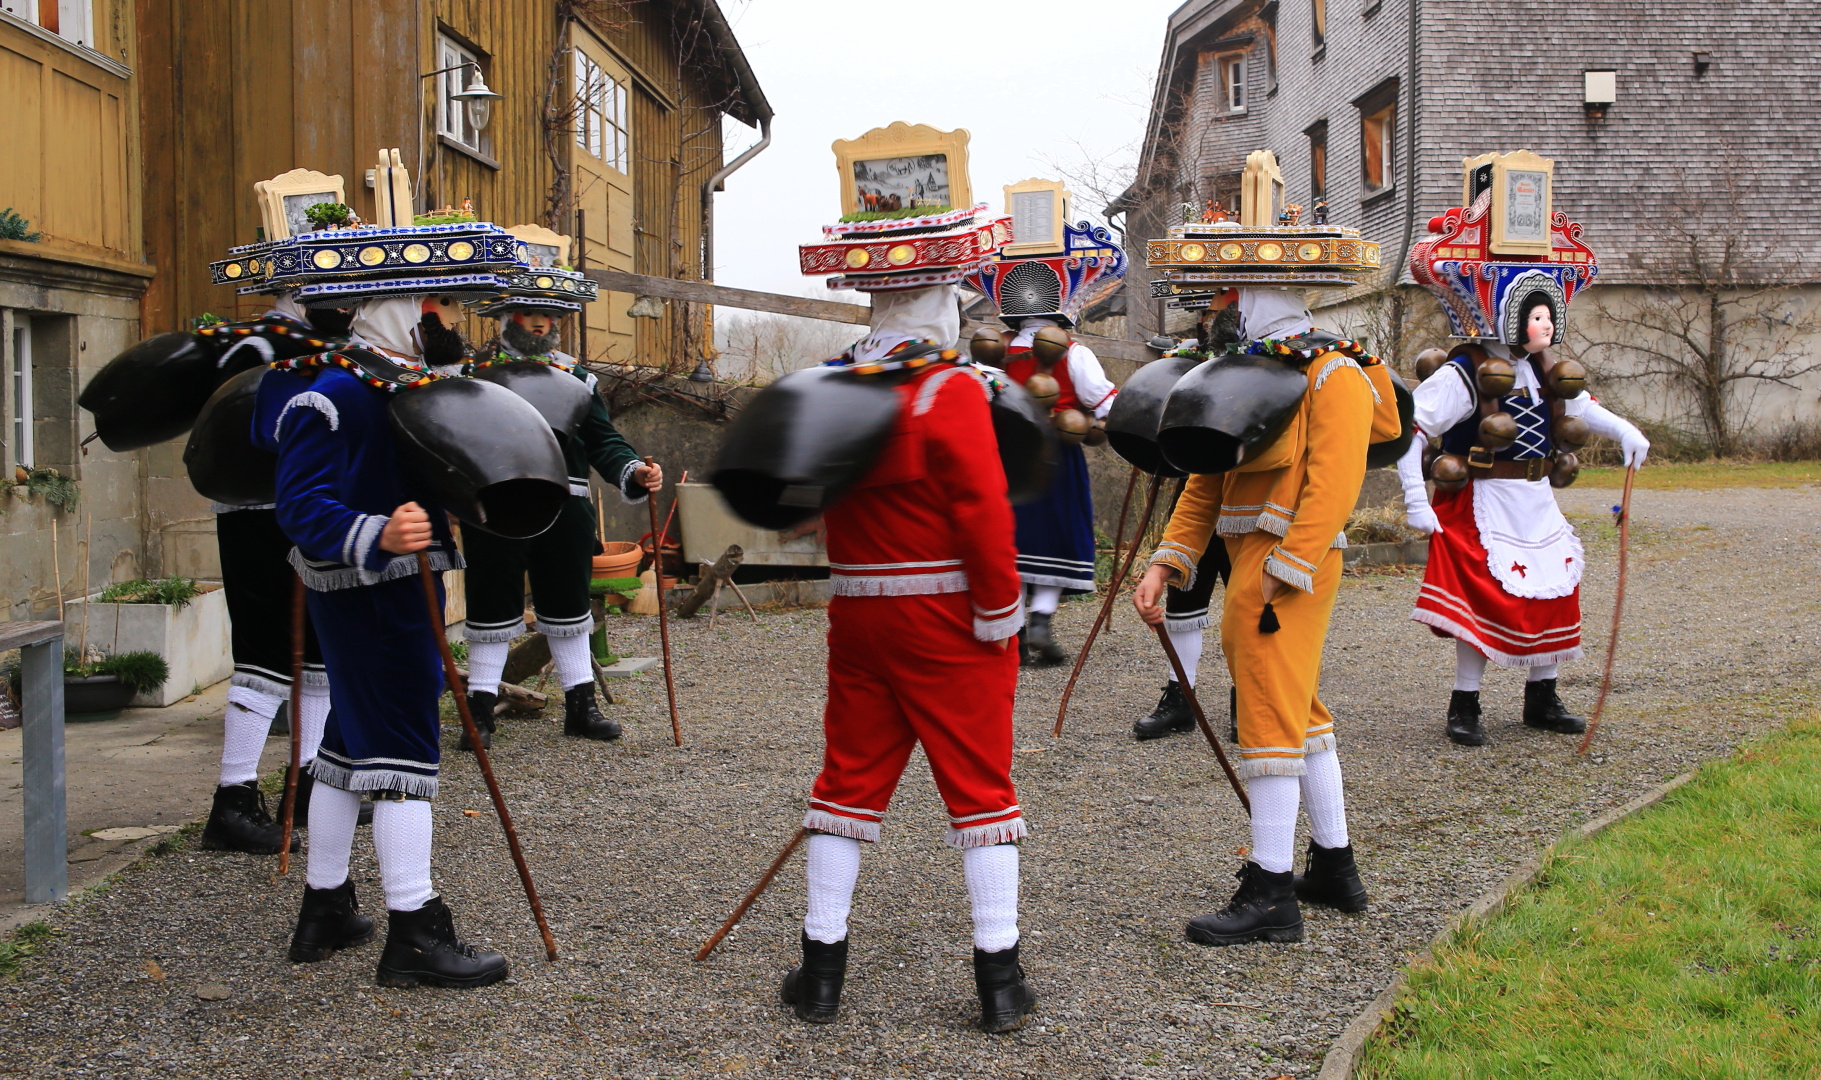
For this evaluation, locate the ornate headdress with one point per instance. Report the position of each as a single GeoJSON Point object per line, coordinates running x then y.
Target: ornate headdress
{"type": "Point", "coordinates": [1505, 243]}
{"type": "Point", "coordinates": [548, 287]}
{"type": "Point", "coordinates": [1268, 247]}
{"type": "Point", "coordinates": [1053, 269]}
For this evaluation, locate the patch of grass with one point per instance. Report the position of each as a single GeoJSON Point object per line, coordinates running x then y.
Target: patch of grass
{"type": "Point", "coordinates": [177, 841]}
{"type": "Point", "coordinates": [1681, 944]}
{"type": "Point", "coordinates": [1709, 475]}
{"type": "Point", "coordinates": [178, 591]}
{"type": "Point", "coordinates": [894, 215]}
{"type": "Point", "coordinates": [1380, 525]}
{"type": "Point", "coordinates": [23, 942]}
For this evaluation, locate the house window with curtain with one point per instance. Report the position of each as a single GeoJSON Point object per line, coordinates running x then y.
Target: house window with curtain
{"type": "Point", "coordinates": [451, 114]}
{"type": "Point", "coordinates": [71, 20]}
{"type": "Point", "coordinates": [600, 114]}
{"type": "Point", "coordinates": [1318, 23]}
{"type": "Point", "coordinates": [1318, 159]}
{"type": "Point", "coordinates": [1377, 137]}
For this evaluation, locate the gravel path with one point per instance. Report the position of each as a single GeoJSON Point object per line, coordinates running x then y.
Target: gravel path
{"type": "Point", "coordinates": [641, 849]}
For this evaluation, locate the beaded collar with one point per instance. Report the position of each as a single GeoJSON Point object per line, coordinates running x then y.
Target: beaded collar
{"type": "Point", "coordinates": [377, 371]}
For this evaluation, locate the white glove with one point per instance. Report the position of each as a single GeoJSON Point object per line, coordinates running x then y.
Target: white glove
{"type": "Point", "coordinates": [1633, 446]}
{"type": "Point", "coordinates": [1418, 514]}
{"type": "Point", "coordinates": [1422, 518]}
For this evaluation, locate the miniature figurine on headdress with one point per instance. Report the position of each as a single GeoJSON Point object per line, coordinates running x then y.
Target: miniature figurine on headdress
{"type": "Point", "coordinates": [1504, 571]}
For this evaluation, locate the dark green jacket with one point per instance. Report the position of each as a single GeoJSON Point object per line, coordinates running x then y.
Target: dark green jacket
{"type": "Point", "coordinates": [598, 443]}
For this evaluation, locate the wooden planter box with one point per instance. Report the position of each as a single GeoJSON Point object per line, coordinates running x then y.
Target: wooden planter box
{"type": "Point", "coordinates": [193, 639]}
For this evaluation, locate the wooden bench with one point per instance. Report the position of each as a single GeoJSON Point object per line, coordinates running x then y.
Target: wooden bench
{"type": "Point", "coordinates": [41, 703]}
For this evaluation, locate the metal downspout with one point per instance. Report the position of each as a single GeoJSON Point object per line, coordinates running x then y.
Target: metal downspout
{"type": "Point", "coordinates": [718, 182]}
{"type": "Point", "coordinates": [1411, 189]}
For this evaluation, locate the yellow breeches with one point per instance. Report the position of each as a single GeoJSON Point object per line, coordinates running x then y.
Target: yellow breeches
{"type": "Point", "coordinates": [1277, 675]}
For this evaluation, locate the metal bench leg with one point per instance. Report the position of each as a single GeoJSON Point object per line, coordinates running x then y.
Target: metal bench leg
{"type": "Point", "coordinates": [46, 839]}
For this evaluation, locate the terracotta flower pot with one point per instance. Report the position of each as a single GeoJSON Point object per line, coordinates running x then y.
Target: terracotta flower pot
{"type": "Point", "coordinates": [619, 560]}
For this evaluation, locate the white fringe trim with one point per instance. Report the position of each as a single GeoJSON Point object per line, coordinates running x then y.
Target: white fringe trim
{"type": "Point", "coordinates": [998, 832]}
{"type": "Point", "coordinates": [626, 479]}
{"type": "Point", "coordinates": [496, 635]}
{"type": "Point", "coordinates": [350, 577]}
{"type": "Point", "coordinates": [1077, 582]}
{"type": "Point", "coordinates": [1194, 622]}
{"type": "Point", "coordinates": [1316, 744]}
{"type": "Point", "coordinates": [835, 824]}
{"type": "Point", "coordinates": [1272, 766]}
{"type": "Point", "coordinates": [1289, 575]}
{"type": "Point", "coordinates": [1346, 361]}
{"type": "Point", "coordinates": [424, 787]}
{"type": "Point", "coordinates": [898, 584]}
{"type": "Point", "coordinates": [562, 630]}
{"type": "Point", "coordinates": [999, 629]}
{"type": "Point", "coordinates": [1502, 659]}
{"type": "Point", "coordinates": [308, 399]}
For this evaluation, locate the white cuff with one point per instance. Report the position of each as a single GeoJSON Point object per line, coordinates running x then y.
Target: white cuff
{"type": "Point", "coordinates": [1000, 623]}
{"type": "Point", "coordinates": [625, 484]}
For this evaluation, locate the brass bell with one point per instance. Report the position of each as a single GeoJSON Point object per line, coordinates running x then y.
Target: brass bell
{"type": "Point", "coordinates": [987, 347]}
{"type": "Point", "coordinates": [1071, 425]}
{"type": "Point", "coordinates": [1097, 434]}
{"type": "Point", "coordinates": [1498, 431]}
{"type": "Point", "coordinates": [1450, 473]}
{"type": "Point", "coordinates": [1050, 345]}
{"type": "Point", "coordinates": [1567, 468]}
{"type": "Point", "coordinates": [1430, 453]}
{"type": "Point", "coordinates": [1044, 389]}
{"type": "Point", "coordinates": [1428, 362]}
{"type": "Point", "coordinates": [1571, 433]}
{"type": "Point", "coordinates": [1566, 380]}
{"type": "Point", "coordinates": [1495, 377]}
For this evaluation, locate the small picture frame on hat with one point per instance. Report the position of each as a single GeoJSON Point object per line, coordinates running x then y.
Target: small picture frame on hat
{"type": "Point", "coordinates": [543, 247]}
{"type": "Point", "coordinates": [285, 200]}
{"type": "Point", "coordinates": [903, 167]}
{"type": "Point", "coordinates": [1039, 209]}
{"type": "Point", "coordinates": [1522, 204]}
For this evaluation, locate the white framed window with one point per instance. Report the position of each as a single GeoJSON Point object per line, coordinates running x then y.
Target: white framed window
{"type": "Point", "coordinates": [1378, 136]}
{"type": "Point", "coordinates": [19, 392]}
{"type": "Point", "coordinates": [1233, 77]}
{"type": "Point", "coordinates": [600, 113]}
{"type": "Point", "coordinates": [451, 114]}
{"type": "Point", "coordinates": [71, 20]}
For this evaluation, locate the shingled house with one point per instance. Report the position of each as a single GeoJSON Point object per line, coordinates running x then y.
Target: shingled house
{"type": "Point", "coordinates": [1680, 136]}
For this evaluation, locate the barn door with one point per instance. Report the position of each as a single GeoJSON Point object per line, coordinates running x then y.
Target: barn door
{"type": "Point", "coordinates": [603, 187]}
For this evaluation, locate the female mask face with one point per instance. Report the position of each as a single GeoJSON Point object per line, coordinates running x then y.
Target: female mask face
{"type": "Point", "coordinates": [1539, 328]}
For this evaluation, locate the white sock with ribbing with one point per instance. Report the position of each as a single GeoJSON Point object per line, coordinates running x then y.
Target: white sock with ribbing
{"type": "Point", "coordinates": [333, 815]}
{"type": "Point", "coordinates": [1469, 666]}
{"type": "Point", "coordinates": [1274, 800]}
{"type": "Point", "coordinates": [992, 888]}
{"type": "Point", "coordinates": [244, 728]}
{"type": "Point", "coordinates": [401, 839]}
{"type": "Point", "coordinates": [1187, 644]}
{"type": "Point", "coordinates": [833, 867]}
{"type": "Point", "coordinates": [314, 705]}
{"type": "Point", "coordinates": [486, 663]}
{"type": "Point", "coordinates": [1325, 797]}
{"type": "Point", "coordinates": [574, 662]}
{"type": "Point", "coordinates": [1541, 672]}
{"type": "Point", "coordinates": [1045, 599]}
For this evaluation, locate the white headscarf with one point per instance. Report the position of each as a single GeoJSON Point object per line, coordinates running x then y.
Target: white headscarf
{"type": "Point", "coordinates": [1272, 313]}
{"type": "Point", "coordinates": [1027, 331]}
{"type": "Point", "coordinates": [390, 324]}
{"type": "Point", "coordinates": [286, 304]}
{"type": "Point", "coordinates": [932, 313]}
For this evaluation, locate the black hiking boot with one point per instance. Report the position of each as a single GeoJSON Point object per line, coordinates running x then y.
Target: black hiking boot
{"type": "Point", "coordinates": [480, 706]}
{"type": "Point", "coordinates": [330, 920]}
{"type": "Point", "coordinates": [1263, 909]}
{"type": "Point", "coordinates": [1171, 715]}
{"type": "Point", "coordinates": [813, 988]}
{"type": "Point", "coordinates": [1331, 879]}
{"type": "Point", "coordinates": [582, 716]}
{"type": "Point", "coordinates": [1040, 647]}
{"type": "Point", "coordinates": [422, 950]}
{"type": "Point", "coordinates": [239, 820]}
{"type": "Point", "coordinates": [1464, 718]}
{"type": "Point", "coordinates": [1006, 1000]}
{"type": "Point", "coordinates": [1543, 709]}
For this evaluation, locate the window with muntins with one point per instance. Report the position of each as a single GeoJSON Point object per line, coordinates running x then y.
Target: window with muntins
{"type": "Point", "coordinates": [451, 114]}
{"type": "Point", "coordinates": [600, 114]}
{"type": "Point", "coordinates": [19, 393]}
{"type": "Point", "coordinates": [71, 20]}
{"type": "Point", "coordinates": [1233, 75]}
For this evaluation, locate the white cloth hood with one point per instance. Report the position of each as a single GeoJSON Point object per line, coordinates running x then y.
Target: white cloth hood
{"type": "Point", "coordinates": [932, 314]}
{"type": "Point", "coordinates": [285, 304]}
{"type": "Point", "coordinates": [1027, 331]}
{"type": "Point", "coordinates": [390, 324]}
{"type": "Point", "coordinates": [1272, 313]}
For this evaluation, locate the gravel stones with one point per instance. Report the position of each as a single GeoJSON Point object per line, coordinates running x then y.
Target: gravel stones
{"type": "Point", "coordinates": [641, 849]}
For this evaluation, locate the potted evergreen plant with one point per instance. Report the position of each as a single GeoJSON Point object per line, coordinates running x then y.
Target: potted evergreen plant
{"type": "Point", "coordinates": [182, 621]}
{"type": "Point", "coordinates": [100, 683]}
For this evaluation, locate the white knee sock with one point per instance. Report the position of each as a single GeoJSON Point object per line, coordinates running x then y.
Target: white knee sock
{"type": "Point", "coordinates": [315, 709]}
{"type": "Point", "coordinates": [574, 663]}
{"type": "Point", "coordinates": [401, 839]}
{"type": "Point", "coordinates": [333, 815]}
{"type": "Point", "coordinates": [486, 663]}
{"type": "Point", "coordinates": [1274, 801]}
{"type": "Point", "coordinates": [834, 867]}
{"type": "Point", "coordinates": [1538, 674]}
{"type": "Point", "coordinates": [1325, 798]}
{"type": "Point", "coordinates": [1188, 649]}
{"type": "Point", "coordinates": [992, 886]}
{"type": "Point", "coordinates": [244, 728]}
{"type": "Point", "coordinates": [1045, 599]}
{"type": "Point", "coordinates": [1469, 666]}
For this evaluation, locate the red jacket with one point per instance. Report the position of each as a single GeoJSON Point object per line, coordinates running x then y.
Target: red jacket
{"type": "Point", "coordinates": [932, 516]}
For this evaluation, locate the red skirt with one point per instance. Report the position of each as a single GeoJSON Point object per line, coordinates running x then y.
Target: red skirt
{"type": "Point", "coordinates": [1461, 599]}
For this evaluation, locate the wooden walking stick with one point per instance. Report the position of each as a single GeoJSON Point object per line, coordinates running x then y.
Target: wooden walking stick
{"type": "Point", "coordinates": [1618, 609]}
{"type": "Point", "coordinates": [1201, 721]}
{"type": "Point", "coordinates": [657, 566]}
{"type": "Point", "coordinates": [739, 912]}
{"type": "Point", "coordinates": [481, 757]}
{"type": "Point", "coordinates": [1081, 658]}
{"type": "Point", "coordinates": [288, 813]}
{"type": "Point", "coordinates": [1125, 504]}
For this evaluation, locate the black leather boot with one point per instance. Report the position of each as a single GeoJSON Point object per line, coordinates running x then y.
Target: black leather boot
{"type": "Point", "coordinates": [422, 950]}
{"type": "Point", "coordinates": [1263, 909]}
{"type": "Point", "coordinates": [1331, 879]}
{"type": "Point", "coordinates": [1006, 1000]}
{"type": "Point", "coordinates": [330, 920]}
{"type": "Point", "coordinates": [582, 717]}
{"type": "Point", "coordinates": [813, 988]}
{"type": "Point", "coordinates": [480, 706]}
{"type": "Point", "coordinates": [1043, 650]}
{"type": "Point", "coordinates": [1543, 709]}
{"type": "Point", "coordinates": [1464, 718]}
{"type": "Point", "coordinates": [239, 820]}
{"type": "Point", "coordinates": [1171, 715]}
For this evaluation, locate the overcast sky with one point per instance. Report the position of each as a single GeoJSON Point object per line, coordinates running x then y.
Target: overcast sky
{"type": "Point", "coordinates": [1028, 78]}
